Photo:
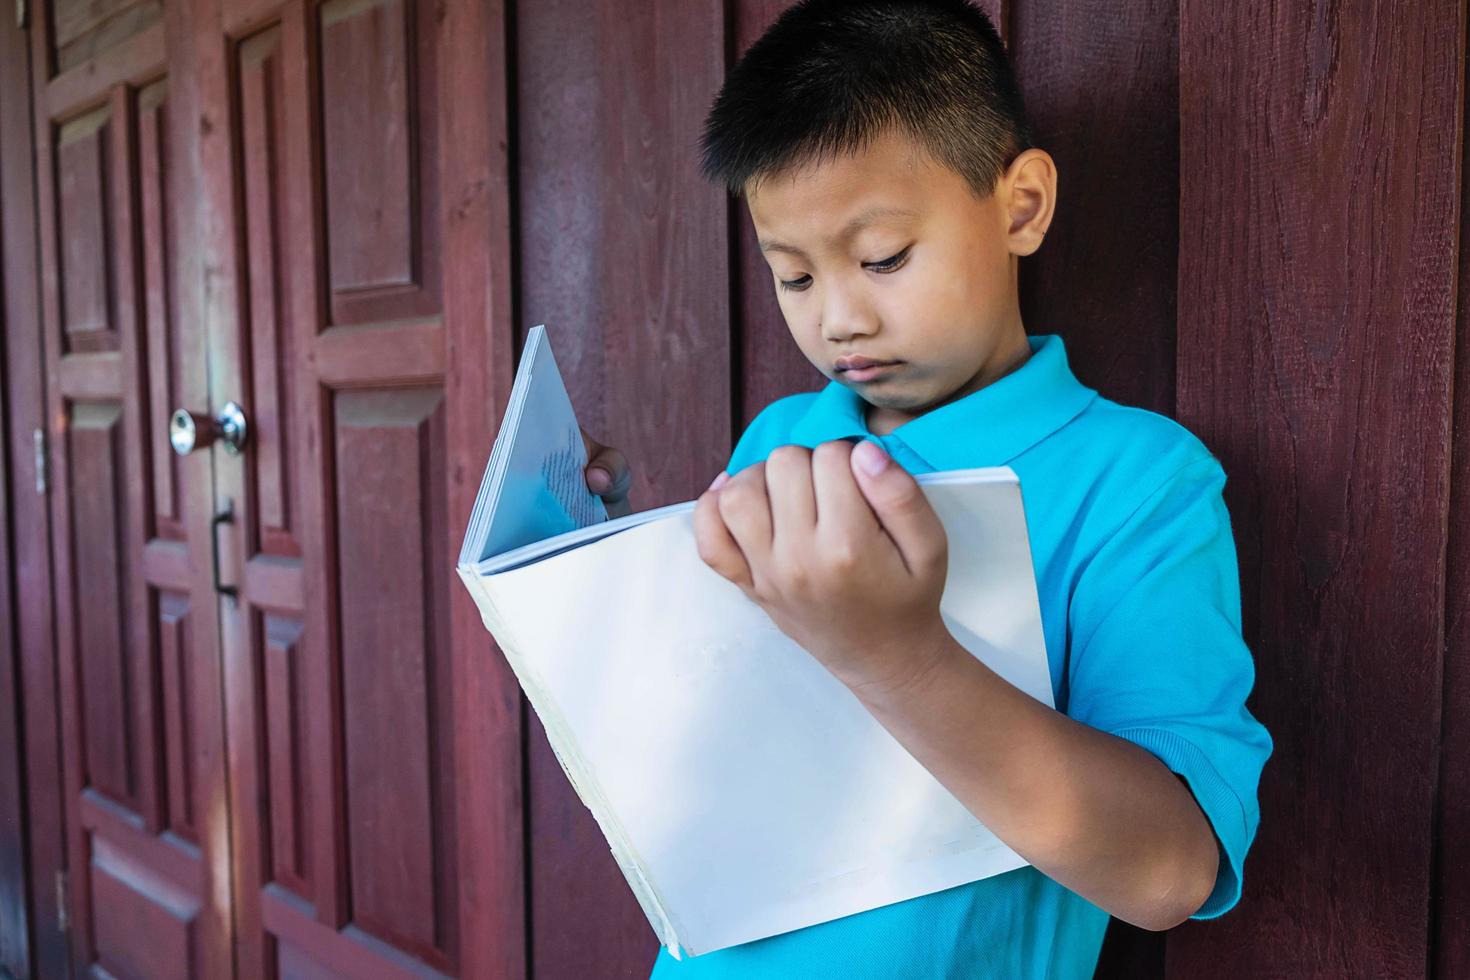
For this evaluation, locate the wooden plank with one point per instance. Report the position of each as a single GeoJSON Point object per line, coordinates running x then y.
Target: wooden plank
{"type": "Point", "coordinates": [22, 179]}
{"type": "Point", "coordinates": [29, 639]}
{"type": "Point", "coordinates": [131, 62]}
{"type": "Point", "coordinates": [625, 255]}
{"type": "Point", "coordinates": [1450, 900]}
{"type": "Point", "coordinates": [305, 948]}
{"type": "Point", "coordinates": [135, 498]}
{"type": "Point", "coordinates": [302, 245]}
{"type": "Point", "coordinates": [90, 377]}
{"type": "Point", "coordinates": [393, 353]}
{"type": "Point", "coordinates": [480, 331]}
{"type": "Point", "coordinates": [15, 951]}
{"type": "Point", "coordinates": [1106, 277]}
{"type": "Point", "coordinates": [1319, 207]}
{"type": "Point", "coordinates": [78, 898]}
{"type": "Point", "coordinates": [1117, 179]}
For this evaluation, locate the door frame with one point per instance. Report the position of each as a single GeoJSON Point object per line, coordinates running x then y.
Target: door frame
{"type": "Point", "coordinates": [31, 661]}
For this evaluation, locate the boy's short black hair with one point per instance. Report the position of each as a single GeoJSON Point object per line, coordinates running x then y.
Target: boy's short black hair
{"type": "Point", "coordinates": [829, 75]}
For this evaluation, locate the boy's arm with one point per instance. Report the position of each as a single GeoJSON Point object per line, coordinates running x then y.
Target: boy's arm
{"type": "Point", "coordinates": [850, 562]}
{"type": "Point", "coordinates": [1093, 811]}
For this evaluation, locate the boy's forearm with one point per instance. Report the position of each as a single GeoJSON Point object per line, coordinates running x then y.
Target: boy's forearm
{"type": "Point", "coordinates": [1095, 812]}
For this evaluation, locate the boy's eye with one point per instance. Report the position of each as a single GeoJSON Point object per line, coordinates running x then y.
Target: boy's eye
{"type": "Point", "coordinates": [887, 265]}
{"type": "Point", "coordinates": [890, 263]}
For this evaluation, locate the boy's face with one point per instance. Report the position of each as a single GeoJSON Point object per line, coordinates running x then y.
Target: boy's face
{"type": "Point", "coordinates": [888, 255]}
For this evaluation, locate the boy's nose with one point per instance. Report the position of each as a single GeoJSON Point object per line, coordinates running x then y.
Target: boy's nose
{"type": "Point", "coordinates": [845, 316]}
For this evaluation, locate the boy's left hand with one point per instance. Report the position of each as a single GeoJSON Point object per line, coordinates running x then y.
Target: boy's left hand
{"type": "Point", "coordinates": [849, 564]}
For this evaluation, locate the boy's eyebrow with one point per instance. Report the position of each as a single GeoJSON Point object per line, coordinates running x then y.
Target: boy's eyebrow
{"type": "Point", "coordinates": [854, 226]}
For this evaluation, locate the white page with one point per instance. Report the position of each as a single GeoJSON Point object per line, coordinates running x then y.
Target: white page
{"type": "Point", "coordinates": [753, 788]}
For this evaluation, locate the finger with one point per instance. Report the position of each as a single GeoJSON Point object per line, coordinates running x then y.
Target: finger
{"type": "Point", "coordinates": [746, 511]}
{"type": "Point", "coordinates": [841, 506]}
{"type": "Point", "coordinates": [716, 547]}
{"type": "Point", "coordinates": [789, 489]}
{"type": "Point", "coordinates": [609, 475]}
{"type": "Point", "coordinates": [900, 506]}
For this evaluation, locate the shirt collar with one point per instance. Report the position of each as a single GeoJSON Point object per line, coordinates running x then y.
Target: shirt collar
{"type": "Point", "coordinates": [989, 427]}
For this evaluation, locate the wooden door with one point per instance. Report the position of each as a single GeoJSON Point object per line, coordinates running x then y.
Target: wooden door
{"type": "Point", "coordinates": [291, 748]}
{"type": "Point", "coordinates": [136, 624]}
{"type": "Point", "coordinates": [346, 149]}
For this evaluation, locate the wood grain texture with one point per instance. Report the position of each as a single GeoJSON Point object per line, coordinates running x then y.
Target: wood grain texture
{"type": "Point", "coordinates": [1101, 88]}
{"type": "Point", "coordinates": [156, 216]}
{"type": "Point", "coordinates": [260, 94]}
{"type": "Point", "coordinates": [84, 203]}
{"type": "Point", "coordinates": [376, 64]}
{"type": "Point", "coordinates": [1450, 884]}
{"type": "Point", "coordinates": [624, 255]}
{"type": "Point", "coordinates": [199, 141]}
{"type": "Point", "coordinates": [1101, 83]}
{"type": "Point", "coordinates": [393, 567]}
{"type": "Point", "coordinates": [286, 708]}
{"type": "Point", "coordinates": [34, 945]}
{"type": "Point", "coordinates": [85, 28]}
{"type": "Point", "coordinates": [15, 914]}
{"type": "Point", "coordinates": [1319, 215]}
{"type": "Point", "coordinates": [476, 177]}
{"type": "Point", "coordinates": [366, 87]}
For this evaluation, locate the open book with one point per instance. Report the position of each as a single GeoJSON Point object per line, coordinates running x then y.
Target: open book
{"type": "Point", "coordinates": [744, 791]}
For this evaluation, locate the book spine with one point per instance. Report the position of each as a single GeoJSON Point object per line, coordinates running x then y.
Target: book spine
{"type": "Point", "coordinates": [563, 746]}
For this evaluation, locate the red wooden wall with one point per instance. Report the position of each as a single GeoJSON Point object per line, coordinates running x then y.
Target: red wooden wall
{"type": "Point", "coordinates": [1259, 211]}
{"type": "Point", "coordinates": [1321, 213]}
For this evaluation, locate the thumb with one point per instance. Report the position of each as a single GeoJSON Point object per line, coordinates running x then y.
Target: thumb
{"type": "Point", "coordinates": [615, 477]}
{"type": "Point", "coordinates": [900, 506]}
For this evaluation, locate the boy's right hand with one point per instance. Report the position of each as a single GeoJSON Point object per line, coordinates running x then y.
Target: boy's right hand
{"type": "Point", "coordinates": [607, 475]}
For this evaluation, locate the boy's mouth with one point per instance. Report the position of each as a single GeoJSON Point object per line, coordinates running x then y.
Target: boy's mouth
{"type": "Point", "coordinates": [857, 368]}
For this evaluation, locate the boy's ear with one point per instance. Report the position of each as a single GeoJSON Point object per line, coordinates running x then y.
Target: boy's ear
{"type": "Point", "coordinates": [1028, 196]}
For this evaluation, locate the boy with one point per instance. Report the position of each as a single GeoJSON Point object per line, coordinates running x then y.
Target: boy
{"type": "Point", "coordinates": [882, 150]}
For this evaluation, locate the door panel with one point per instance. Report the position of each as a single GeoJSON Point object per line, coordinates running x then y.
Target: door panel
{"type": "Point", "coordinates": [327, 320]}
{"type": "Point", "coordinates": [142, 735]}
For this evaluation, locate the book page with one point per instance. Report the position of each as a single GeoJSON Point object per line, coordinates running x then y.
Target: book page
{"type": "Point", "coordinates": [533, 487]}
{"type": "Point", "coordinates": [750, 789]}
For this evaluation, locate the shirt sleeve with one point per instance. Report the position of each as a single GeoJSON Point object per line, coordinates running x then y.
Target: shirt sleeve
{"type": "Point", "coordinates": [1157, 656]}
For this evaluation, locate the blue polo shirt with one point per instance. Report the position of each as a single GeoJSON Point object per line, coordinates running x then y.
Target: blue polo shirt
{"type": "Point", "coordinates": [1140, 605]}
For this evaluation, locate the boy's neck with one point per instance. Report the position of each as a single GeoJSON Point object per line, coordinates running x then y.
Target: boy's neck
{"type": "Point", "coordinates": [880, 421]}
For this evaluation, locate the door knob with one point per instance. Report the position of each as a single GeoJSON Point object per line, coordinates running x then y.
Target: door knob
{"type": "Point", "coordinates": [188, 431]}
